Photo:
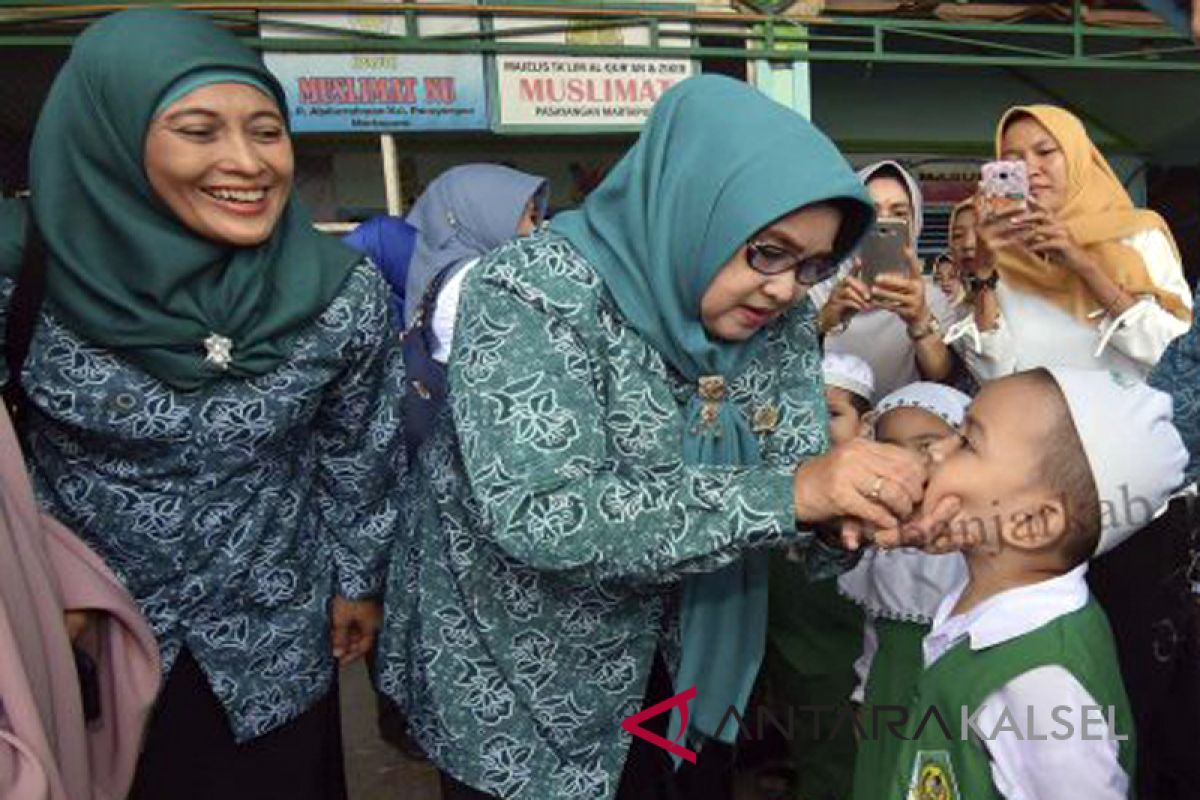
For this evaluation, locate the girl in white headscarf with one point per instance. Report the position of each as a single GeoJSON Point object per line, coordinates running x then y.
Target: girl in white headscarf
{"type": "Point", "coordinates": [899, 590]}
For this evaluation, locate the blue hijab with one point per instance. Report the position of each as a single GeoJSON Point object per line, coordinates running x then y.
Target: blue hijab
{"type": "Point", "coordinates": [465, 213]}
{"type": "Point", "coordinates": [717, 162]}
{"type": "Point", "coordinates": [389, 242]}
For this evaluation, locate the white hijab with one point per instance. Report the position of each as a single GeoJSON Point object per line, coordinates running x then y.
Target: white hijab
{"type": "Point", "coordinates": [908, 585]}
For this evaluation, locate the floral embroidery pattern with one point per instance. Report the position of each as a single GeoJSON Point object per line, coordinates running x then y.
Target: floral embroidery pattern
{"type": "Point", "coordinates": [1178, 374]}
{"type": "Point", "coordinates": [234, 512]}
{"type": "Point", "coordinates": [553, 519]}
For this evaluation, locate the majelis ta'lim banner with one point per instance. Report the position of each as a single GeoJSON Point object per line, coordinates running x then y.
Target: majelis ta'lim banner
{"type": "Point", "coordinates": [377, 92]}
{"type": "Point", "coordinates": [583, 92]}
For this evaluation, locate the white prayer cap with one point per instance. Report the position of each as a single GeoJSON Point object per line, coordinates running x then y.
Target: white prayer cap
{"type": "Point", "coordinates": [938, 399]}
{"type": "Point", "coordinates": [1136, 455]}
{"type": "Point", "coordinates": [850, 373]}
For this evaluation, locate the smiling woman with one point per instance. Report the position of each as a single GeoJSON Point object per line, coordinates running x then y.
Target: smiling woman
{"type": "Point", "coordinates": [214, 400]}
{"type": "Point", "coordinates": [221, 159]}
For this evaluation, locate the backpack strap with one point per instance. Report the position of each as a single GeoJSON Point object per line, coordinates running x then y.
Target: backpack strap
{"type": "Point", "coordinates": [422, 323]}
{"type": "Point", "coordinates": [426, 391]}
{"type": "Point", "coordinates": [23, 309]}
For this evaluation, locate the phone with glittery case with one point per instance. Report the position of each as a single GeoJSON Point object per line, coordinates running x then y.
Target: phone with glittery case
{"type": "Point", "coordinates": [1005, 184]}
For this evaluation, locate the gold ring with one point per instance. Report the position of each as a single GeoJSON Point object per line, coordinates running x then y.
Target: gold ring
{"type": "Point", "coordinates": [875, 490]}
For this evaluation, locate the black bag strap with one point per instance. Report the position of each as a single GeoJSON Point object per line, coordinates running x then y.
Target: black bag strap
{"type": "Point", "coordinates": [422, 322]}
{"type": "Point", "coordinates": [23, 309]}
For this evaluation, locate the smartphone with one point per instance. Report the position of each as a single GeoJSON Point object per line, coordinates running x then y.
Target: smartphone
{"type": "Point", "coordinates": [1005, 184]}
{"type": "Point", "coordinates": [884, 249]}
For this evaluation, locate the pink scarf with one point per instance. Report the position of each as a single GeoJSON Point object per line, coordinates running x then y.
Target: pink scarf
{"type": "Point", "coordinates": [46, 750]}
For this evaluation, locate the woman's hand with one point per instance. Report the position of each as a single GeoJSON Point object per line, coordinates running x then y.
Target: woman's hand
{"type": "Point", "coordinates": [849, 297]}
{"type": "Point", "coordinates": [903, 295]}
{"type": "Point", "coordinates": [933, 530]}
{"type": "Point", "coordinates": [1053, 240]}
{"type": "Point", "coordinates": [353, 625]}
{"type": "Point", "coordinates": [879, 484]}
{"type": "Point", "coordinates": [997, 230]}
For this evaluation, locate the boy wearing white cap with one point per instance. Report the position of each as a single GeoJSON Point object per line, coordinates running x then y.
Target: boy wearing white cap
{"type": "Point", "coordinates": [1021, 696]}
{"type": "Point", "coordinates": [849, 386]}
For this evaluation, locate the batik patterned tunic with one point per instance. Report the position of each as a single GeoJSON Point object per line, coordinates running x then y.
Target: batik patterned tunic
{"type": "Point", "coordinates": [233, 513]}
{"type": "Point", "coordinates": [554, 519]}
{"type": "Point", "coordinates": [1178, 374]}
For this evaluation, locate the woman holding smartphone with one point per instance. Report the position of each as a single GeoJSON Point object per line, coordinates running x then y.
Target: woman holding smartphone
{"type": "Point", "coordinates": [887, 313]}
{"type": "Point", "coordinates": [1078, 276]}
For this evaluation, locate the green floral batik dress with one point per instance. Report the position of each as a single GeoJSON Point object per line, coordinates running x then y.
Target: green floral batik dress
{"type": "Point", "coordinates": [555, 519]}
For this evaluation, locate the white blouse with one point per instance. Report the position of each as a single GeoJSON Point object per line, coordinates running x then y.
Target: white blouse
{"type": "Point", "coordinates": [445, 313]}
{"type": "Point", "coordinates": [1032, 332]}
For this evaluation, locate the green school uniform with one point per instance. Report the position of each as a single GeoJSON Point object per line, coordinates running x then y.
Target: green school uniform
{"type": "Point", "coordinates": [815, 635]}
{"type": "Point", "coordinates": [935, 763]}
{"type": "Point", "coordinates": [894, 675]}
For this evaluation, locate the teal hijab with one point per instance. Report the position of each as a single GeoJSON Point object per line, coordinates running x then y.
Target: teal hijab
{"type": "Point", "coordinates": [124, 273]}
{"type": "Point", "coordinates": [716, 163]}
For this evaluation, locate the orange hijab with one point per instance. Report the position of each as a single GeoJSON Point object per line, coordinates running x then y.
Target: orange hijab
{"type": "Point", "coordinates": [1099, 214]}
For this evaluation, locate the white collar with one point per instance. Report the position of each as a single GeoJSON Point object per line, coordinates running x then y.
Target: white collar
{"type": "Point", "coordinates": [1007, 615]}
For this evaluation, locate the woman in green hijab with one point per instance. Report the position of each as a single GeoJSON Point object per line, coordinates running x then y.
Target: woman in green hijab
{"type": "Point", "coordinates": [212, 399]}
{"type": "Point", "coordinates": [637, 416]}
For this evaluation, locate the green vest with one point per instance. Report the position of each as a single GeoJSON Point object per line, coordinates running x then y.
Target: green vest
{"type": "Point", "coordinates": [932, 766]}
{"type": "Point", "coordinates": [889, 690]}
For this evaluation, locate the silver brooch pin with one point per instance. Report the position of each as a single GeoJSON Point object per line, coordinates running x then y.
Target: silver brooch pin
{"type": "Point", "coordinates": [219, 350]}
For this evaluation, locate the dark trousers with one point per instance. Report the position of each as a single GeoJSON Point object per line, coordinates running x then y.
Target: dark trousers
{"type": "Point", "coordinates": [190, 752]}
{"type": "Point", "coordinates": [1143, 586]}
{"type": "Point", "coordinates": [649, 773]}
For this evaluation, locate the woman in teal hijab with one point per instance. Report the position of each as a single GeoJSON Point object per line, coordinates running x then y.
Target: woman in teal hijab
{"type": "Point", "coordinates": [637, 417]}
{"type": "Point", "coordinates": [213, 399]}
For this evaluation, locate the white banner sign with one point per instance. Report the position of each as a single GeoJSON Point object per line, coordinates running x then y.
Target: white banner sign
{"type": "Point", "coordinates": [583, 91]}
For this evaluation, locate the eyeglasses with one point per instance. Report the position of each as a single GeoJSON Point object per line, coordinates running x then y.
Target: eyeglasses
{"type": "Point", "coordinates": [769, 259]}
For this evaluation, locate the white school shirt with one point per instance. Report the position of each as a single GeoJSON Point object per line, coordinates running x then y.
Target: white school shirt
{"type": "Point", "coordinates": [1033, 332]}
{"type": "Point", "coordinates": [445, 313]}
{"type": "Point", "coordinates": [1023, 769]}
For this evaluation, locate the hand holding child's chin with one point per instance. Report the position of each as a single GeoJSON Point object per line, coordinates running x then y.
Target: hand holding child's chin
{"type": "Point", "coordinates": [931, 530]}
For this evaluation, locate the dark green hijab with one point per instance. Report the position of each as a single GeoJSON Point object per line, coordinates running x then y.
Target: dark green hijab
{"type": "Point", "coordinates": [124, 273]}
{"type": "Point", "coordinates": [717, 162]}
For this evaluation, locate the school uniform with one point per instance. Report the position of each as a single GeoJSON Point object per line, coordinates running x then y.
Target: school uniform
{"type": "Point", "coordinates": [1035, 656]}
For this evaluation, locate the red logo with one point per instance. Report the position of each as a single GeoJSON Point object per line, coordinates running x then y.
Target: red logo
{"type": "Point", "coordinates": [632, 725]}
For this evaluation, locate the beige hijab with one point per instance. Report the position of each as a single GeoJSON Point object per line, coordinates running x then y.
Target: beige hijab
{"type": "Point", "coordinates": [1098, 212]}
{"type": "Point", "coordinates": [46, 750]}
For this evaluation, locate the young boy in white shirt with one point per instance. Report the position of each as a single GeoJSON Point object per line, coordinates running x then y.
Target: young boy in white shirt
{"type": "Point", "coordinates": [1021, 696]}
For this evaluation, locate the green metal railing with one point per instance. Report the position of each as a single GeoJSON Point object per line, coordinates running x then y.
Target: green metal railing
{"type": "Point", "coordinates": [1057, 45]}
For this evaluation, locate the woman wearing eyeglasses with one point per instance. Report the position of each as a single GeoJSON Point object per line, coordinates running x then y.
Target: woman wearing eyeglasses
{"type": "Point", "coordinates": [637, 417]}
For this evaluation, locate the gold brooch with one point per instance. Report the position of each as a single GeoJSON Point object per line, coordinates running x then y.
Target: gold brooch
{"type": "Point", "coordinates": [765, 419]}
{"type": "Point", "coordinates": [711, 389]}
